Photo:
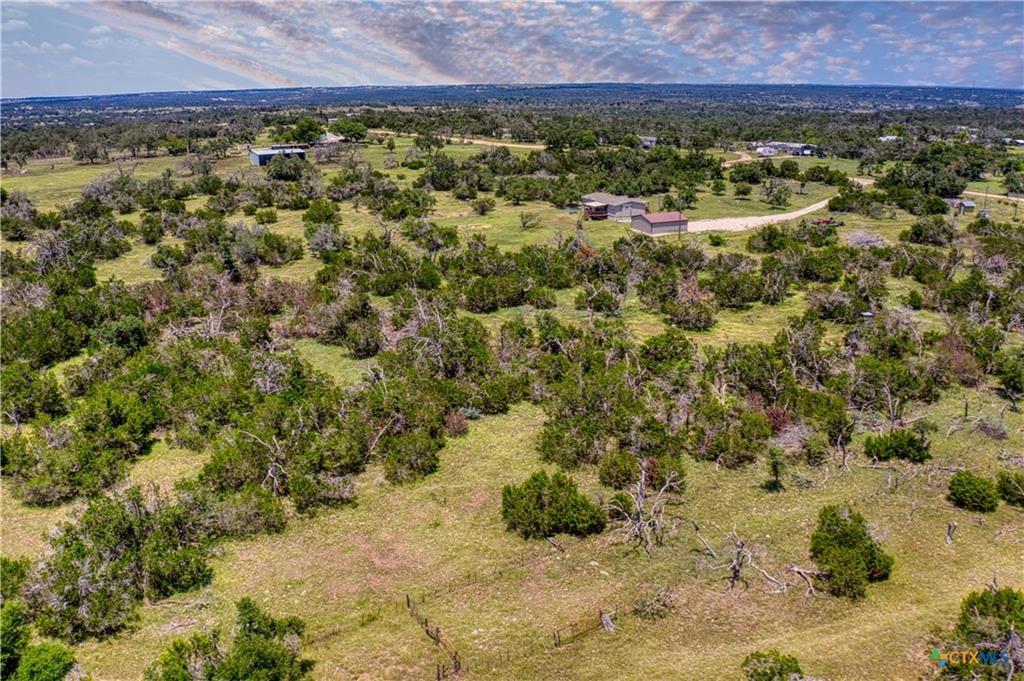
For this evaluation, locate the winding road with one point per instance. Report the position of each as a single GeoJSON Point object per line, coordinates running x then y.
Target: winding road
{"type": "Point", "coordinates": [754, 221]}
{"type": "Point", "coordinates": [751, 221]}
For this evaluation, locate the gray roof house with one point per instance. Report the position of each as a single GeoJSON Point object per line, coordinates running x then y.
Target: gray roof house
{"type": "Point", "coordinates": [599, 205]}
{"type": "Point", "coordinates": [261, 157]}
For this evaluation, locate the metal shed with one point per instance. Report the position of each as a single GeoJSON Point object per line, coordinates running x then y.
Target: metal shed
{"type": "Point", "coordinates": [655, 224]}
{"type": "Point", "coordinates": [261, 157]}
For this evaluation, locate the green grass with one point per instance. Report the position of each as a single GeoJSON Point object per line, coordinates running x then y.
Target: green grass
{"type": "Point", "coordinates": [333, 360]}
{"type": "Point", "coordinates": [345, 570]}
{"type": "Point", "coordinates": [25, 528]}
{"type": "Point", "coordinates": [52, 183]}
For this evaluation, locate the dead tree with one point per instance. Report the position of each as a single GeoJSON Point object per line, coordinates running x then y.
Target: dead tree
{"type": "Point", "coordinates": [644, 523]}
{"type": "Point", "coordinates": [275, 477]}
{"type": "Point", "coordinates": [807, 576]}
{"type": "Point", "coordinates": [742, 556]}
{"type": "Point", "coordinates": [950, 529]}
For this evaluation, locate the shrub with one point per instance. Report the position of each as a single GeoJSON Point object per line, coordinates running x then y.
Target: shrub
{"type": "Point", "coordinates": [28, 393]}
{"type": "Point", "coordinates": [45, 662]}
{"type": "Point", "coordinates": [264, 648]}
{"type": "Point", "coordinates": [931, 231]}
{"type": "Point", "coordinates": [898, 444]}
{"type": "Point", "coordinates": [483, 205]}
{"type": "Point", "coordinates": [973, 492]}
{"type": "Point", "coordinates": [654, 606]}
{"type": "Point", "coordinates": [618, 469]}
{"type": "Point", "coordinates": [544, 506]}
{"type": "Point", "coordinates": [846, 553]}
{"type": "Point", "coordinates": [541, 297]}
{"type": "Point", "coordinates": [266, 216]}
{"type": "Point", "coordinates": [717, 240]}
{"type": "Point", "coordinates": [771, 666]}
{"type": "Point", "coordinates": [321, 212]}
{"type": "Point", "coordinates": [411, 456]}
{"type": "Point", "coordinates": [13, 573]}
{"type": "Point", "coordinates": [815, 449]}
{"type": "Point", "coordinates": [988, 614]}
{"type": "Point", "coordinates": [455, 423]}
{"type": "Point", "coordinates": [15, 634]}
{"type": "Point", "coordinates": [151, 229]}
{"type": "Point", "coordinates": [1010, 370]}
{"type": "Point", "coordinates": [1011, 487]}
{"type": "Point", "coordinates": [250, 511]}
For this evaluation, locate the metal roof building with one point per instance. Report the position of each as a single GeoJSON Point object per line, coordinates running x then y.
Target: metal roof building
{"type": "Point", "coordinates": [261, 157]}
{"type": "Point", "coordinates": [669, 222]}
{"type": "Point", "coordinates": [598, 206]}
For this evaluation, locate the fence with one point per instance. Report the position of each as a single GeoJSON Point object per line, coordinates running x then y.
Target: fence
{"type": "Point", "coordinates": [439, 639]}
{"type": "Point", "coordinates": [577, 630]}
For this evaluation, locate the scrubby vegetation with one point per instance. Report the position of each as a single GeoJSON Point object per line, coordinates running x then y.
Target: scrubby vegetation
{"type": "Point", "coordinates": [324, 335]}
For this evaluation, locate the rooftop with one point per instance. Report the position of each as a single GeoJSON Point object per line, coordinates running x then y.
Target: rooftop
{"type": "Point", "coordinates": [669, 216]}
{"type": "Point", "coordinates": [609, 199]}
{"type": "Point", "coordinates": [277, 150]}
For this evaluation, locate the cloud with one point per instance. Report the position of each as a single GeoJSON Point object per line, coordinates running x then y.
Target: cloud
{"type": "Point", "coordinates": [343, 42]}
{"type": "Point", "coordinates": [14, 25]}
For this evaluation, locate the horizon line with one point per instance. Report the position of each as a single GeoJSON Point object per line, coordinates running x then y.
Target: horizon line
{"type": "Point", "coordinates": [505, 85]}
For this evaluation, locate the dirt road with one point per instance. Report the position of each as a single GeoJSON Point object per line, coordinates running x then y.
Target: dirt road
{"type": "Point", "coordinates": [751, 221]}
{"type": "Point", "coordinates": [473, 140]}
{"type": "Point", "coordinates": [754, 221]}
{"type": "Point", "coordinates": [995, 197]}
{"type": "Point", "coordinates": [743, 158]}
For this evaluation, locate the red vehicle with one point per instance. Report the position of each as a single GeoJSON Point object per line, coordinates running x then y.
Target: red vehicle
{"type": "Point", "coordinates": [828, 222]}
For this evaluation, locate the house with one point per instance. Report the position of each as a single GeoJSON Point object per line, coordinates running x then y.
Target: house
{"type": "Point", "coordinates": [765, 152]}
{"type": "Point", "coordinates": [599, 206]}
{"type": "Point", "coordinates": [671, 222]}
{"type": "Point", "coordinates": [960, 206]}
{"type": "Point", "coordinates": [329, 138]}
{"type": "Point", "coordinates": [648, 142]}
{"type": "Point", "coordinates": [791, 148]}
{"type": "Point", "coordinates": [261, 157]}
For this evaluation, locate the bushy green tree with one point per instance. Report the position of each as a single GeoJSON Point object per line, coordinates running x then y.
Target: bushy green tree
{"type": "Point", "coordinates": [265, 648]}
{"type": "Point", "coordinates": [898, 444]}
{"type": "Point", "coordinates": [771, 666]}
{"type": "Point", "coordinates": [28, 393]}
{"type": "Point", "coordinates": [618, 469]}
{"type": "Point", "coordinates": [973, 492]}
{"type": "Point", "coordinates": [846, 554]}
{"type": "Point", "coordinates": [544, 505]}
{"type": "Point", "coordinates": [15, 634]}
{"type": "Point", "coordinates": [1011, 487]}
{"type": "Point", "coordinates": [990, 620]}
{"type": "Point", "coordinates": [45, 662]}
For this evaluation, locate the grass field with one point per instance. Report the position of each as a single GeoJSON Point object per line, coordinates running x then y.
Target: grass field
{"type": "Point", "coordinates": [346, 571]}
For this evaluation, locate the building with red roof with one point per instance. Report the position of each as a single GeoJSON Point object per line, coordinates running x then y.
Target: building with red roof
{"type": "Point", "coordinates": [670, 222]}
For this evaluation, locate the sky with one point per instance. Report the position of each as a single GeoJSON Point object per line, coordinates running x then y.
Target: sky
{"type": "Point", "coordinates": [83, 47]}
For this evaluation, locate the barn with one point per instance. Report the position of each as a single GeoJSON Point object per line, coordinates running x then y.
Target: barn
{"type": "Point", "coordinates": [598, 206]}
{"type": "Point", "coordinates": [655, 224]}
{"type": "Point", "coordinates": [261, 157]}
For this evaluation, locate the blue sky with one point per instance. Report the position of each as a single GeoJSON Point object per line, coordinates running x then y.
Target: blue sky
{"type": "Point", "coordinates": [78, 47]}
